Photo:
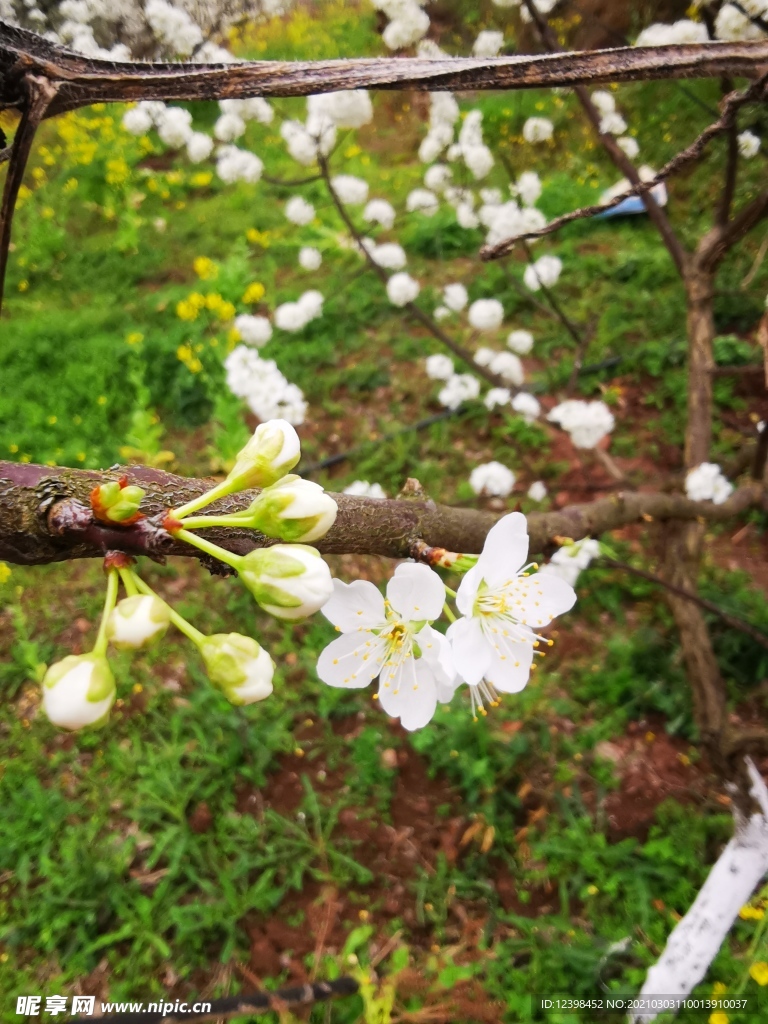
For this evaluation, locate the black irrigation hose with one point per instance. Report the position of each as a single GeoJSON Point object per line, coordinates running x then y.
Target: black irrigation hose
{"type": "Point", "coordinates": [439, 417]}
{"type": "Point", "coordinates": [242, 1005]}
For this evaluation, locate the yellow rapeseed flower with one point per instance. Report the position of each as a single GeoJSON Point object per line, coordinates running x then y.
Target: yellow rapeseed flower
{"type": "Point", "coordinates": [758, 971]}
{"type": "Point", "coordinates": [201, 179]}
{"type": "Point", "coordinates": [256, 237]}
{"type": "Point", "coordinates": [718, 1017]}
{"type": "Point", "coordinates": [748, 913]}
{"type": "Point", "coordinates": [5, 573]}
{"type": "Point", "coordinates": [205, 268]}
{"type": "Point", "coordinates": [255, 292]}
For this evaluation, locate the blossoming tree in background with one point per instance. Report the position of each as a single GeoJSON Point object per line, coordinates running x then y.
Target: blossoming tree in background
{"type": "Point", "coordinates": [270, 527]}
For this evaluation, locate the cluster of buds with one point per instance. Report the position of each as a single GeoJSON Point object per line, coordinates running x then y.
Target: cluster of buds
{"type": "Point", "coordinates": [289, 580]}
{"type": "Point", "coordinates": [117, 502]}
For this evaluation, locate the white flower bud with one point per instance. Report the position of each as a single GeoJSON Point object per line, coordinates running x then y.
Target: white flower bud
{"type": "Point", "coordinates": [294, 510]}
{"type": "Point", "coordinates": [238, 666]}
{"type": "Point", "coordinates": [288, 581]}
{"type": "Point", "coordinates": [272, 452]}
{"type": "Point", "coordinates": [79, 690]}
{"type": "Point", "coordinates": [138, 620]}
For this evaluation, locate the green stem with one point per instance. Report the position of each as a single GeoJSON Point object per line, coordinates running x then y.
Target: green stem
{"type": "Point", "coordinates": [237, 519]}
{"type": "Point", "coordinates": [219, 491]}
{"type": "Point", "coordinates": [100, 647]}
{"type": "Point", "coordinates": [447, 611]}
{"type": "Point", "coordinates": [449, 592]}
{"type": "Point", "coordinates": [179, 621]}
{"type": "Point", "coordinates": [210, 549]}
{"type": "Point", "coordinates": [130, 587]}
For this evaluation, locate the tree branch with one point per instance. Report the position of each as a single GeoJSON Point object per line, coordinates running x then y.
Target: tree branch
{"type": "Point", "coordinates": [45, 517]}
{"type": "Point", "coordinates": [614, 151]}
{"type": "Point", "coordinates": [732, 620]}
{"type": "Point", "coordinates": [40, 94]}
{"type": "Point", "coordinates": [416, 311]}
{"type": "Point", "coordinates": [726, 123]}
{"type": "Point", "coordinates": [86, 80]}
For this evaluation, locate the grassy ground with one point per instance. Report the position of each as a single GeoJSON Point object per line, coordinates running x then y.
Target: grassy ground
{"type": "Point", "coordinates": [195, 848]}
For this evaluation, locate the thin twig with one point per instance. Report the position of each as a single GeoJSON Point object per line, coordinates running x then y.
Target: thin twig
{"type": "Point", "coordinates": [612, 148]}
{"type": "Point", "coordinates": [756, 265]}
{"type": "Point", "coordinates": [525, 293]}
{"type": "Point", "coordinates": [458, 350]}
{"type": "Point", "coordinates": [693, 152]}
{"type": "Point", "coordinates": [744, 627]}
{"type": "Point", "coordinates": [731, 163]}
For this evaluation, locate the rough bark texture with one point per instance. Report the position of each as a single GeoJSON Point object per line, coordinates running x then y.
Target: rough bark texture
{"type": "Point", "coordinates": [45, 517]}
{"type": "Point", "coordinates": [699, 287]}
{"type": "Point", "coordinates": [87, 80]}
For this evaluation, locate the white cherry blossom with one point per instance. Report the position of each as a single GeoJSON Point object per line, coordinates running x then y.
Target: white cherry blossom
{"type": "Point", "coordinates": [503, 608]}
{"type": "Point", "coordinates": [393, 640]}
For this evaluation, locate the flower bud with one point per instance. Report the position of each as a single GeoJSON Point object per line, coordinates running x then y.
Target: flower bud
{"type": "Point", "coordinates": [137, 621]}
{"type": "Point", "coordinates": [79, 690]}
{"type": "Point", "coordinates": [238, 666]}
{"type": "Point", "coordinates": [293, 509]}
{"type": "Point", "coordinates": [272, 452]}
{"type": "Point", "coordinates": [288, 581]}
{"type": "Point", "coordinates": [117, 502]}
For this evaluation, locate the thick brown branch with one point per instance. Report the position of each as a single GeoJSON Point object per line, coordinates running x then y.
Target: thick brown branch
{"type": "Point", "coordinates": [87, 80]}
{"type": "Point", "coordinates": [44, 518]}
{"type": "Point", "coordinates": [40, 93]}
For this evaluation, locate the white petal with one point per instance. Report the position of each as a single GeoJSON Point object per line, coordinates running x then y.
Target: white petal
{"type": "Point", "coordinates": [467, 592]}
{"type": "Point", "coordinates": [553, 595]}
{"type": "Point", "coordinates": [351, 660]}
{"type": "Point", "coordinates": [436, 651]}
{"type": "Point", "coordinates": [416, 592]}
{"type": "Point", "coordinates": [412, 694]}
{"type": "Point", "coordinates": [510, 666]}
{"type": "Point", "coordinates": [505, 550]}
{"type": "Point", "coordinates": [471, 651]}
{"type": "Point", "coordinates": [355, 605]}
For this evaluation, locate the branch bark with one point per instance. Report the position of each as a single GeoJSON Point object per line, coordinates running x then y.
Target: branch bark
{"type": "Point", "coordinates": [85, 80]}
{"type": "Point", "coordinates": [40, 95]}
{"type": "Point", "coordinates": [45, 517]}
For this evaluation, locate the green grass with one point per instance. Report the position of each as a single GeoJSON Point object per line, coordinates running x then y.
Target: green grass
{"type": "Point", "coordinates": [153, 855]}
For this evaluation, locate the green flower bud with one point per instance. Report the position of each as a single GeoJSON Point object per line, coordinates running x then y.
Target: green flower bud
{"type": "Point", "coordinates": [288, 581]}
{"type": "Point", "coordinates": [137, 621]}
{"type": "Point", "coordinates": [294, 510]}
{"type": "Point", "coordinates": [79, 690]}
{"type": "Point", "coordinates": [238, 666]}
{"type": "Point", "coordinates": [272, 452]}
{"type": "Point", "coordinates": [117, 502]}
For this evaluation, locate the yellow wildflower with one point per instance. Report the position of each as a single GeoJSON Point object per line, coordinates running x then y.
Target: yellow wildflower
{"type": "Point", "coordinates": [254, 292]}
{"type": "Point", "coordinates": [718, 1018]}
{"type": "Point", "coordinates": [256, 237]}
{"type": "Point", "coordinates": [748, 913]}
{"type": "Point", "coordinates": [5, 572]}
{"type": "Point", "coordinates": [201, 179]}
{"type": "Point", "coordinates": [758, 971]}
{"type": "Point", "coordinates": [205, 268]}
{"type": "Point", "coordinates": [134, 338]}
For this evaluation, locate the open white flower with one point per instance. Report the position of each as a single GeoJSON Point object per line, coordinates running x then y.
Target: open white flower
{"type": "Point", "coordinates": [391, 639]}
{"type": "Point", "coordinates": [503, 608]}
